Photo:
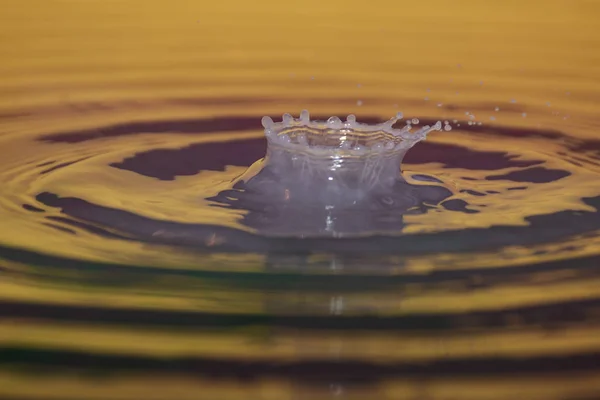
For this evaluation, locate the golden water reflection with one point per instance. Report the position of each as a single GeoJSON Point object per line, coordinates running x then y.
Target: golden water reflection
{"type": "Point", "coordinates": [442, 326]}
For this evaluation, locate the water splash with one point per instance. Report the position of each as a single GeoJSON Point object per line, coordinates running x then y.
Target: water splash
{"type": "Point", "coordinates": [334, 135]}
{"type": "Point", "coordinates": [331, 178]}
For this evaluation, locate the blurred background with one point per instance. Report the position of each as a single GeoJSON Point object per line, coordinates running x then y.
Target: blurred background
{"type": "Point", "coordinates": [119, 117]}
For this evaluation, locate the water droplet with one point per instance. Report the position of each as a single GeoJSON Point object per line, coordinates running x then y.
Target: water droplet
{"type": "Point", "coordinates": [304, 116]}
{"type": "Point", "coordinates": [334, 122]}
{"type": "Point", "coordinates": [440, 104]}
{"type": "Point", "coordinates": [497, 109]}
{"type": "Point", "coordinates": [448, 127]}
{"type": "Point", "coordinates": [266, 122]}
{"type": "Point", "coordinates": [359, 103]}
{"type": "Point", "coordinates": [415, 121]}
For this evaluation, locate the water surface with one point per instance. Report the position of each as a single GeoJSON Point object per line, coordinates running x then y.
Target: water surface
{"type": "Point", "coordinates": [126, 256]}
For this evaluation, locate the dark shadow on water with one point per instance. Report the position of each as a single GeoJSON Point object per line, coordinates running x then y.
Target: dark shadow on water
{"type": "Point", "coordinates": [540, 229]}
{"type": "Point", "coordinates": [532, 175]}
{"type": "Point", "coordinates": [50, 361]}
{"type": "Point", "coordinates": [166, 164]}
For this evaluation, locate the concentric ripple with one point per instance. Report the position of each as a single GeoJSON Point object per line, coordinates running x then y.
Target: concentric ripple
{"type": "Point", "coordinates": [155, 248]}
{"type": "Point", "coordinates": [171, 189]}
